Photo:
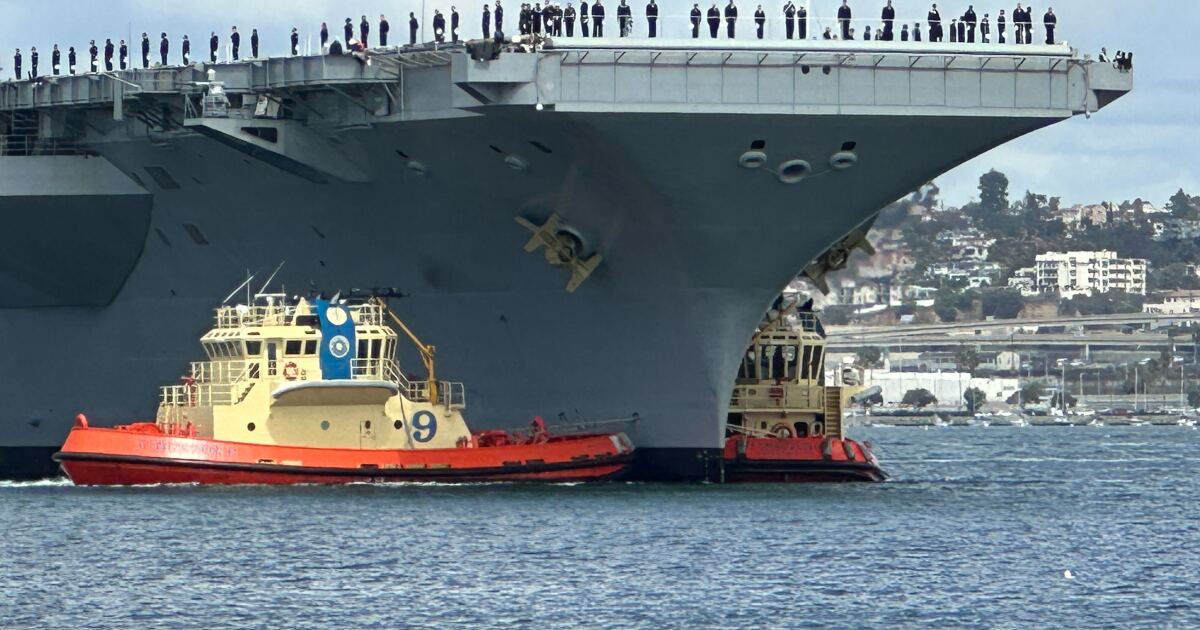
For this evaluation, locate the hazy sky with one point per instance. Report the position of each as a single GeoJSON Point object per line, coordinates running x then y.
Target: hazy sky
{"type": "Point", "coordinates": [1143, 145]}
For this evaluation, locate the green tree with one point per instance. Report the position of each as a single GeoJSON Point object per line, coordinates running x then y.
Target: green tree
{"type": "Point", "coordinates": [1056, 400]}
{"type": "Point", "coordinates": [919, 398]}
{"type": "Point", "coordinates": [993, 192]}
{"type": "Point", "coordinates": [1031, 393]}
{"type": "Point", "coordinates": [974, 398]}
{"type": "Point", "coordinates": [1173, 276]}
{"type": "Point", "coordinates": [868, 357]}
{"type": "Point", "coordinates": [967, 359]}
{"type": "Point", "coordinates": [1183, 207]}
{"type": "Point", "coordinates": [1002, 304]}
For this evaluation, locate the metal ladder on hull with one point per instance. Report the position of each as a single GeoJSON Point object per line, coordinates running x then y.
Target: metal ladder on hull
{"type": "Point", "coordinates": [833, 411]}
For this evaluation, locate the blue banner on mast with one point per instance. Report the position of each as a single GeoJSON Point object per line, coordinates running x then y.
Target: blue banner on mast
{"type": "Point", "coordinates": [337, 340]}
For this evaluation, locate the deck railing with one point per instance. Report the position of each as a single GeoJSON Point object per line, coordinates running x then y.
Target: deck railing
{"type": "Point", "coordinates": [768, 396]}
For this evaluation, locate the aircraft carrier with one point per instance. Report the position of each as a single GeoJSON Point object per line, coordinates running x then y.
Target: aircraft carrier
{"type": "Point", "coordinates": [704, 175]}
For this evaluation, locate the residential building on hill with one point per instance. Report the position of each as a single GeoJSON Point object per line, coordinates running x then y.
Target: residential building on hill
{"type": "Point", "coordinates": [1084, 273]}
{"type": "Point", "coordinates": [1174, 303]}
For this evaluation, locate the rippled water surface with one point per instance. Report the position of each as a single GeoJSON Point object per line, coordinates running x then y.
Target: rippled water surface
{"type": "Point", "coordinates": [976, 529]}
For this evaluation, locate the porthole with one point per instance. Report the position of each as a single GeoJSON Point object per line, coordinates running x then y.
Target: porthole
{"type": "Point", "coordinates": [826, 69]}
{"type": "Point", "coordinates": [367, 425]}
{"type": "Point", "coordinates": [805, 69]}
{"type": "Point", "coordinates": [752, 159]}
{"type": "Point", "coordinates": [843, 160]}
{"type": "Point", "coordinates": [324, 425]}
{"type": "Point", "coordinates": [794, 171]}
{"type": "Point", "coordinates": [399, 424]}
{"type": "Point", "coordinates": [250, 426]}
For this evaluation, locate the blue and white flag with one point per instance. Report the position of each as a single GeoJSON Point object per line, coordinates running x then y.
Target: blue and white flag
{"type": "Point", "coordinates": [337, 340]}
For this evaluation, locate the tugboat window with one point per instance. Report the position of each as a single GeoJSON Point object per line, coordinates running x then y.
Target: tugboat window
{"type": "Point", "coordinates": [293, 347]}
{"type": "Point", "coordinates": [253, 348]}
{"type": "Point", "coordinates": [376, 345]}
{"type": "Point", "coordinates": [310, 346]}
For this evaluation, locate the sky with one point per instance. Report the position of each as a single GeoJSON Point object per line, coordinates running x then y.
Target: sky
{"type": "Point", "coordinates": [1144, 145]}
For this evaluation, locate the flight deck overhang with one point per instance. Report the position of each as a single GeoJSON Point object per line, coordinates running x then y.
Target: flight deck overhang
{"type": "Point", "coordinates": [660, 75]}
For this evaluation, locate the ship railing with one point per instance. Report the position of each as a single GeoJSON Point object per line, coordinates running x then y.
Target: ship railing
{"type": "Point", "coordinates": [283, 314]}
{"type": "Point", "coordinates": [196, 395]}
{"type": "Point", "coordinates": [451, 394]}
{"type": "Point", "coordinates": [27, 146]}
{"type": "Point", "coordinates": [770, 396]}
{"type": "Point", "coordinates": [219, 372]}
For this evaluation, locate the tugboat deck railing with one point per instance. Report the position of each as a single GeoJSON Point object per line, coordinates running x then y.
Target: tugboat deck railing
{"type": "Point", "coordinates": [772, 397]}
{"type": "Point", "coordinates": [284, 314]}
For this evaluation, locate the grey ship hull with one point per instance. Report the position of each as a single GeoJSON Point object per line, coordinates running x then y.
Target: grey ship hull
{"type": "Point", "coordinates": [695, 249]}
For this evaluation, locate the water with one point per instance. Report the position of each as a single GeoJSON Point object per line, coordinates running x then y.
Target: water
{"type": "Point", "coordinates": [976, 529]}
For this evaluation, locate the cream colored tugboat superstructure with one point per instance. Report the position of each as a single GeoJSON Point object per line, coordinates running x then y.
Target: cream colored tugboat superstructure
{"type": "Point", "coordinates": [785, 422]}
{"type": "Point", "coordinates": [309, 391]}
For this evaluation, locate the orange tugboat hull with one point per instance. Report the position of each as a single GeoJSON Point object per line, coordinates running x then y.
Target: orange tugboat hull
{"type": "Point", "coordinates": [803, 459]}
{"type": "Point", "coordinates": [139, 454]}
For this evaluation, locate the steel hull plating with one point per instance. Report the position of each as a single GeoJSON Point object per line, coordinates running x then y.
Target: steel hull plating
{"type": "Point", "coordinates": [695, 248]}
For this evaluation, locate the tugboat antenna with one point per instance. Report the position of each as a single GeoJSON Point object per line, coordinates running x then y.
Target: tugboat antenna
{"type": "Point", "coordinates": [244, 283]}
{"type": "Point", "coordinates": [266, 284]}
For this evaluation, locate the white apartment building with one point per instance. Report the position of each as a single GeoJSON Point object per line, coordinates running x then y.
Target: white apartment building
{"type": "Point", "coordinates": [1084, 273]}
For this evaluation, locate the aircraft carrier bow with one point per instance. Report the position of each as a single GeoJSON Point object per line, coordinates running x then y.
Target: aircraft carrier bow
{"type": "Point", "coordinates": [682, 184]}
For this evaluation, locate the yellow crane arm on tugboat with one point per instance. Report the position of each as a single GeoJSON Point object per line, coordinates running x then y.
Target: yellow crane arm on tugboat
{"type": "Point", "coordinates": [427, 351]}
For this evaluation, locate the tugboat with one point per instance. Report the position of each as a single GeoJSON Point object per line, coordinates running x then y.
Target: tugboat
{"type": "Point", "coordinates": [309, 391]}
{"type": "Point", "coordinates": [785, 423]}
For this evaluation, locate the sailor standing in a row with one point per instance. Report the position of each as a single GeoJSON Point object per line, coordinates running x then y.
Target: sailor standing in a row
{"type": "Point", "coordinates": [597, 19]}
{"type": "Point", "coordinates": [123, 55]}
{"type": "Point", "coordinates": [94, 52]}
{"type": "Point", "coordinates": [652, 18]}
{"type": "Point", "coordinates": [17, 64]}
{"type": "Point", "coordinates": [569, 16]}
{"type": "Point", "coordinates": [295, 41]}
{"type": "Point", "coordinates": [236, 40]}
{"type": "Point", "coordinates": [213, 44]}
{"type": "Point", "coordinates": [1001, 24]}
{"type": "Point", "coordinates": [487, 22]}
{"type": "Point", "coordinates": [254, 43]}
{"type": "Point", "coordinates": [55, 60]}
{"type": "Point", "coordinates": [324, 36]}
{"type": "Point", "coordinates": [412, 28]}
{"type": "Point", "coordinates": [108, 55]}
{"type": "Point", "coordinates": [384, 27]}
{"type": "Point", "coordinates": [71, 60]}
{"type": "Point", "coordinates": [164, 48]}
{"type": "Point", "coordinates": [731, 19]}
{"type": "Point", "coordinates": [499, 13]}
{"type": "Point", "coordinates": [364, 32]}
{"type": "Point", "coordinates": [348, 31]}
{"type": "Point", "coordinates": [584, 18]}
{"type": "Point", "coordinates": [844, 16]}
{"type": "Point", "coordinates": [760, 20]}
{"type": "Point", "coordinates": [187, 51]}
{"type": "Point", "coordinates": [889, 20]}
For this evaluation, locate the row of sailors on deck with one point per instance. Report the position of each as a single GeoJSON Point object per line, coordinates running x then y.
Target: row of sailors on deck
{"type": "Point", "coordinates": [550, 19]}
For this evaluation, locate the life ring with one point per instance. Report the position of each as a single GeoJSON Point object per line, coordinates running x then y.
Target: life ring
{"type": "Point", "coordinates": [291, 371]}
{"type": "Point", "coordinates": [781, 430]}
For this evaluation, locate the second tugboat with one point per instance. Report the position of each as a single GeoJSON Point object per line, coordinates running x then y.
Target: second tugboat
{"type": "Point", "coordinates": [785, 423]}
{"type": "Point", "coordinates": [300, 391]}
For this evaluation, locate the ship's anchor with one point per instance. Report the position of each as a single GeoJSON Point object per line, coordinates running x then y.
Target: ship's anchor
{"type": "Point", "coordinates": [563, 249]}
{"type": "Point", "coordinates": [836, 257]}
